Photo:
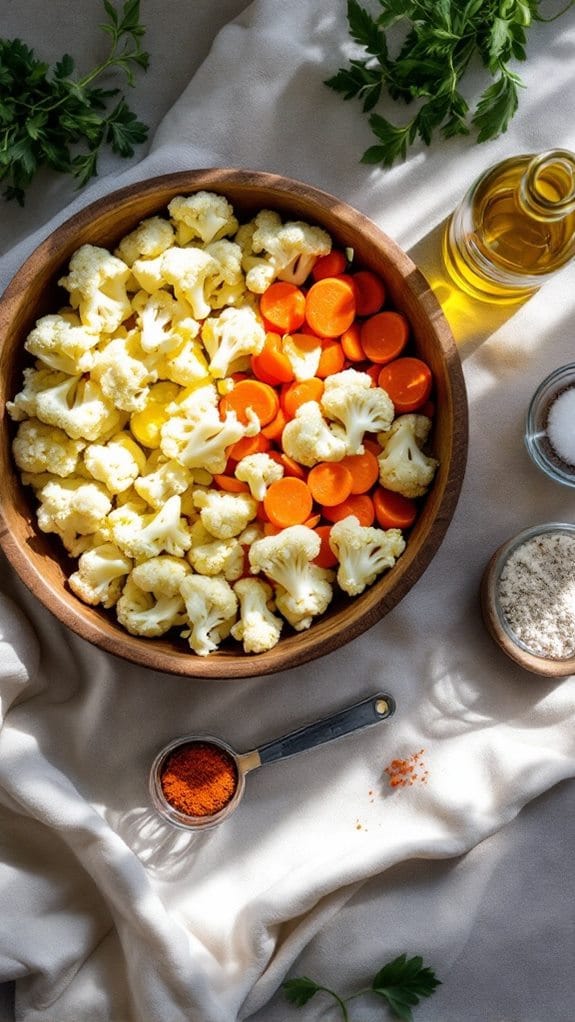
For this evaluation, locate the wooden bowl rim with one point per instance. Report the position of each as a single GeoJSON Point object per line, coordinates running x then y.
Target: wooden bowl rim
{"type": "Point", "coordinates": [332, 630]}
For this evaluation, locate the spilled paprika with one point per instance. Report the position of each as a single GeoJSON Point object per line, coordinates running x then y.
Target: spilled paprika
{"type": "Point", "coordinates": [199, 778]}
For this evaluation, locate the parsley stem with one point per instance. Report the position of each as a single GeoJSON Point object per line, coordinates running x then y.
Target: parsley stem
{"type": "Point", "coordinates": [340, 1002]}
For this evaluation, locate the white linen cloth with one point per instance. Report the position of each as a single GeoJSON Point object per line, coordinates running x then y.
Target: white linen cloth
{"type": "Point", "coordinates": [106, 914]}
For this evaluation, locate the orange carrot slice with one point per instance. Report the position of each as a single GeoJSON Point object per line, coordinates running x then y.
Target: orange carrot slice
{"type": "Point", "coordinates": [408, 382]}
{"type": "Point", "coordinates": [393, 510]}
{"type": "Point", "coordinates": [332, 358]}
{"type": "Point", "coordinates": [358, 504]}
{"type": "Point", "coordinates": [330, 483]}
{"type": "Point", "coordinates": [288, 501]}
{"type": "Point", "coordinates": [330, 306]}
{"type": "Point", "coordinates": [370, 292]}
{"type": "Point", "coordinates": [384, 336]}
{"type": "Point", "coordinates": [259, 397]}
{"type": "Point", "coordinates": [283, 306]}
{"type": "Point", "coordinates": [326, 557]}
{"type": "Point", "coordinates": [364, 469]}
{"type": "Point", "coordinates": [329, 265]}
{"type": "Point", "coordinates": [298, 393]}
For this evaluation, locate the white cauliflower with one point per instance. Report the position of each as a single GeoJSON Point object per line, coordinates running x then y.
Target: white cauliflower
{"type": "Point", "coordinates": [211, 609]}
{"type": "Point", "coordinates": [258, 471]}
{"type": "Point", "coordinates": [149, 239]}
{"type": "Point", "coordinates": [186, 365]}
{"type": "Point", "coordinates": [227, 283]}
{"type": "Point", "coordinates": [273, 249]}
{"type": "Point", "coordinates": [117, 463]}
{"type": "Point", "coordinates": [303, 352]}
{"type": "Point", "coordinates": [149, 274]}
{"type": "Point", "coordinates": [36, 379]}
{"type": "Point", "coordinates": [72, 507]}
{"type": "Point", "coordinates": [403, 467]}
{"type": "Point", "coordinates": [164, 322]}
{"type": "Point", "coordinates": [161, 478]}
{"type": "Point", "coordinates": [79, 407]}
{"type": "Point", "coordinates": [307, 437]}
{"type": "Point", "coordinates": [258, 628]}
{"type": "Point", "coordinates": [162, 575]}
{"type": "Point", "coordinates": [100, 575]}
{"type": "Point", "coordinates": [96, 281]}
{"type": "Point", "coordinates": [120, 370]}
{"type": "Point", "coordinates": [203, 216]}
{"type": "Point", "coordinates": [229, 336]}
{"type": "Point", "coordinates": [196, 436]}
{"type": "Point", "coordinates": [147, 535]}
{"type": "Point", "coordinates": [351, 400]}
{"type": "Point", "coordinates": [189, 270]}
{"type": "Point", "coordinates": [304, 589]}
{"type": "Point", "coordinates": [39, 447]}
{"type": "Point", "coordinates": [363, 552]}
{"type": "Point", "coordinates": [62, 345]}
{"type": "Point", "coordinates": [144, 612]}
{"type": "Point", "coordinates": [209, 555]}
{"type": "Point", "coordinates": [225, 514]}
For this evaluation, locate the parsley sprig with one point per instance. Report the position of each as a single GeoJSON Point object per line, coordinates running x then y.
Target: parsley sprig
{"type": "Point", "coordinates": [401, 983]}
{"type": "Point", "coordinates": [48, 118]}
{"type": "Point", "coordinates": [440, 40]}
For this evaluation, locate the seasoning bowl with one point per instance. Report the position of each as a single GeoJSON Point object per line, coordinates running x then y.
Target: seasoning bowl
{"type": "Point", "coordinates": [528, 598]}
{"type": "Point", "coordinates": [552, 411]}
{"type": "Point", "coordinates": [197, 781]}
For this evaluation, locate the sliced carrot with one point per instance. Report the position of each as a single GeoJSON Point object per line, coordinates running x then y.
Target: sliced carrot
{"type": "Point", "coordinates": [370, 292]}
{"type": "Point", "coordinates": [330, 306]}
{"type": "Point", "coordinates": [272, 530]}
{"type": "Point", "coordinates": [393, 510]}
{"type": "Point", "coordinates": [408, 382]}
{"type": "Point", "coordinates": [260, 397]}
{"type": "Point", "coordinates": [290, 467]}
{"type": "Point", "coordinates": [249, 445]}
{"type": "Point", "coordinates": [313, 522]}
{"type": "Point", "coordinates": [326, 557]}
{"type": "Point", "coordinates": [384, 336]}
{"type": "Point", "coordinates": [283, 305]}
{"type": "Point", "coordinates": [358, 504]}
{"type": "Point", "coordinates": [371, 370]}
{"type": "Point", "coordinates": [288, 501]}
{"type": "Point", "coordinates": [332, 358]}
{"type": "Point", "coordinates": [330, 483]}
{"type": "Point", "coordinates": [329, 265]}
{"type": "Point", "coordinates": [272, 365]}
{"type": "Point", "coordinates": [261, 512]}
{"type": "Point", "coordinates": [371, 444]}
{"type": "Point", "coordinates": [298, 393]}
{"type": "Point", "coordinates": [274, 429]}
{"type": "Point", "coordinates": [231, 484]}
{"type": "Point", "coordinates": [351, 344]}
{"type": "Point", "coordinates": [364, 470]}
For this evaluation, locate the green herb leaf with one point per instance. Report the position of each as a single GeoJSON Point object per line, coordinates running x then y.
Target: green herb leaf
{"type": "Point", "coordinates": [48, 118]}
{"type": "Point", "coordinates": [300, 990]}
{"type": "Point", "coordinates": [403, 982]}
{"type": "Point", "coordinates": [440, 39]}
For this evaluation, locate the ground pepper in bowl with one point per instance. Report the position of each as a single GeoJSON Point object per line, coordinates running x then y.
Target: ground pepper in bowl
{"type": "Point", "coordinates": [199, 779]}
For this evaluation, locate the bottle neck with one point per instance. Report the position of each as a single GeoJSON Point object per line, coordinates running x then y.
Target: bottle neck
{"type": "Point", "coordinates": [547, 188]}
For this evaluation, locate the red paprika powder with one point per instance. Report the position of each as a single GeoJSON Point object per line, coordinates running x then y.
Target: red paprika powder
{"type": "Point", "coordinates": [199, 779]}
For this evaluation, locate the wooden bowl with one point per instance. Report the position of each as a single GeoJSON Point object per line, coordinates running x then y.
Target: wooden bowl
{"type": "Point", "coordinates": [39, 559]}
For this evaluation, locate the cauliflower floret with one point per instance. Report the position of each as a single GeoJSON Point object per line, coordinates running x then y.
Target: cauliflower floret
{"type": "Point", "coordinates": [121, 371]}
{"type": "Point", "coordinates": [196, 436]}
{"type": "Point", "coordinates": [203, 216]}
{"type": "Point", "coordinates": [36, 379]}
{"type": "Point", "coordinates": [149, 274]}
{"type": "Point", "coordinates": [150, 238]}
{"type": "Point", "coordinates": [143, 613]}
{"type": "Point", "coordinates": [363, 552]}
{"type": "Point", "coordinates": [96, 281]}
{"type": "Point", "coordinates": [146, 535]}
{"type": "Point", "coordinates": [211, 609]}
{"type": "Point", "coordinates": [161, 575]}
{"type": "Point", "coordinates": [100, 574]}
{"type": "Point", "coordinates": [258, 471]}
{"type": "Point", "coordinates": [229, 336]}
{"type": "Point", "coordinates": [273, 249]}
{"type": "Point", "coordinates": [225, 514]}
{"type": "Point", "coordinates": [307, 437]}
{"type": "Point", "coordinates": [303, 352]}
{"type": "Point", "coordinates": [117, 463]}
{"type": "Point", "coordinates": [227, 284]}
{"type": "Point", "coordinates": [164, 322]}
{"type": "Point", "coordinates": [186, 365]}
{"type": "Point", "coordinates": [258, 628]}
{"type": "Point", "coordinates": [349, 398]}
{"type": "Point", "coordinates": [304, 589]}
{"type": "Point", "coordinates": [161, 479]}
{"type": "Point", "coordinates": [403, 467]}
{"type": "Point", "coordinates": [189, 270]}
{"type": "Point", "coordinates": [79, 407]}
{"type": "Point", "coordinates": [209, 555]}
{"type": "Point", "coordinates": [62, 345]}
{"type": "Point", "coordinates": [38, 447]}
{"type": "Point", "coordinates": [72, 507]}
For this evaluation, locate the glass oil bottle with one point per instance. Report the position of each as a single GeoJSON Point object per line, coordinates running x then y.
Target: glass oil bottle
{"type": "Point", "coordinates": [514, 228]}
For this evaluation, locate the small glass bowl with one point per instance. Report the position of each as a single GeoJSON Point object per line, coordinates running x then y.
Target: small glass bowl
{"type": "Point", "coordinates": [497, 622]}
{"type": "Point", "coordinates": [536, 438]}
{"type": "Point", "coordinates": [167, 810]}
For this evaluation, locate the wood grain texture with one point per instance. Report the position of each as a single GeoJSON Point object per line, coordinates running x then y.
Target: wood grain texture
{"type": "Point", "coordinates": [39, 559]}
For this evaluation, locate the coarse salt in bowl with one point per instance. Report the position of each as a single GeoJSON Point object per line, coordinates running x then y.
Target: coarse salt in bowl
{"type": "Point", "coordinates": [550, 425]}
{"type": "Point", "coordinates": [528, 598]}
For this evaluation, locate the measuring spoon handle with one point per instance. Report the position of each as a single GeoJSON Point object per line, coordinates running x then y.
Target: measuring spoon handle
{"type": "Point", "coordinates": [369, 711]}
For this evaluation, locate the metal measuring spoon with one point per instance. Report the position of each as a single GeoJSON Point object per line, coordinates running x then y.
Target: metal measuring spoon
{"type": "Point", "coordinates": [360, 715]}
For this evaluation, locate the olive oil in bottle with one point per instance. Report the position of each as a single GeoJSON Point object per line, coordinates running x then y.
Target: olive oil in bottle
{"type": "Point", "coordinates": [514, 228]}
